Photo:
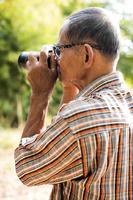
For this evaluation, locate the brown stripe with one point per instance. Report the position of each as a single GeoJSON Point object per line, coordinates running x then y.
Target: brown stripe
{"type": "Point", "coordinates": [84, 158]}
{"type": "Point", "coordinates": [73, 192]}
{"type": "Point", "coordinates": [118, 172]}
{"type": "Point", "coordinates": [90, 179]}
{"type": "Point", "coordinates": [103, 180]}
{"type": "Point", "coordinates": [130, 166]}
{"type": "Point", "coordinates": [98, 141]}
{"type": "Point", "coordinates": [102, 189]}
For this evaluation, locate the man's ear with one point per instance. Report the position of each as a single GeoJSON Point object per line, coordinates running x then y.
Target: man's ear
{"type": "Point", "coordinates": [89, 55]}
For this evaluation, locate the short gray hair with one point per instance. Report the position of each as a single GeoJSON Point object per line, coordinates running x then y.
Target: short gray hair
{"type": "Point", "coordinates": [95, 26]}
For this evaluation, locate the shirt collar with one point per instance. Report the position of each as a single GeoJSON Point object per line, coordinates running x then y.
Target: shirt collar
{"type": "Point", "coordinates": [109, 80]}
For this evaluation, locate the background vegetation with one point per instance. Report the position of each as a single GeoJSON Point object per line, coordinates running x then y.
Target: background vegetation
{"type": "Point", "coordinates": [27, 25]}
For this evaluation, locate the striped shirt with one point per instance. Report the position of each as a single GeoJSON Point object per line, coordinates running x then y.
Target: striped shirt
{"type": "Point", "coordinates": [87, 152]}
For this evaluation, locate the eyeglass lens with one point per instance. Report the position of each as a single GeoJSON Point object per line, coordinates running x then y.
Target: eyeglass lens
{"type": "Point", "coordinates": [57, 51]}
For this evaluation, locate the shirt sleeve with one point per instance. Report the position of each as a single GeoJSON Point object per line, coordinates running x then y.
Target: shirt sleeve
{"type": "Point", "coordinates": [52, 157]}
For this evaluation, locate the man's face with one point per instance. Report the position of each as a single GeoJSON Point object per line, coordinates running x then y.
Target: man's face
{"type": "Point", "coordinates": [70, 60]}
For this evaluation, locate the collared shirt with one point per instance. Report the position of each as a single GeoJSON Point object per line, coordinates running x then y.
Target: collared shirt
{"type": "Point", "coordinates": [87, 151]}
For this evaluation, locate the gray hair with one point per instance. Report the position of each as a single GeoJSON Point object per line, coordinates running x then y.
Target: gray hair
{"type": "Point", "coordinates": [95, 26]}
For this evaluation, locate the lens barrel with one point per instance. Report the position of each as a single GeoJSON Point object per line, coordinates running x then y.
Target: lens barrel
{"type": "Point", "coordinates": [23, 58]}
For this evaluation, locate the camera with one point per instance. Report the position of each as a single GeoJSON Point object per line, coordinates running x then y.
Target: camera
{"type": "Point", "coordinates": [23, 57]}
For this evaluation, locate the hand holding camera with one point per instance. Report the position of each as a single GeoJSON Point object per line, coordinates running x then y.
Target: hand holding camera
{"type": "Point", "coordinates": [42, 70]}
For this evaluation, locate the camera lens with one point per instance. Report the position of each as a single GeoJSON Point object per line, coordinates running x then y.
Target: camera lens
{"type": "Point", "coordinates": [22, 59]}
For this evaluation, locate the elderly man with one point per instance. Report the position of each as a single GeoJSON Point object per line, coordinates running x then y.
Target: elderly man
{"type": "Point", "coordinates": [86, 153]}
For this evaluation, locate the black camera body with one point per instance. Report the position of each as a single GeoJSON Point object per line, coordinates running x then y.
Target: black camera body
{"type": "Point", "coordinates": [23, 57]}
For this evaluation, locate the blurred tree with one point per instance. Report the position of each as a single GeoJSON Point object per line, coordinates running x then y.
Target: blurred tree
{"type": "Point", "coordinates": [23, 26]}
{"type": "Point", "coordinates": [9, 81]}
{"type": "Point", "coordinates": [126, 60]}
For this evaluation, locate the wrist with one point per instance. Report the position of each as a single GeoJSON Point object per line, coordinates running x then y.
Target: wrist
{"type": "Point", "coordinates": [43, 96]}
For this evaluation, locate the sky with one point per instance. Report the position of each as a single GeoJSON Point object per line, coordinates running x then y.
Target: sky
{"type": "Point", "coordinates": [128, 6]}
{"type": "Point", "coordinates": [122, 6]}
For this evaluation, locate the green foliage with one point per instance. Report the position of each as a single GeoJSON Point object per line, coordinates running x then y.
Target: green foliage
{"type": "Point", "coordinates": [23, 26]}
{"type": "Point", "coordinates": [27, 25]}
{"type": "Point", "coordinates": [55, 99]}
{"type": "Point", "coordinates": [8, 70]}
{"type": "Point", "coordinates": [126, 60]}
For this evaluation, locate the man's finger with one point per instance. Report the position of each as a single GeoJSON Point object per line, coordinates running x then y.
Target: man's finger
{"type": "Point", "coordinates": [32, 59]}
{"type": "Point", "coordinates": [43, 58]}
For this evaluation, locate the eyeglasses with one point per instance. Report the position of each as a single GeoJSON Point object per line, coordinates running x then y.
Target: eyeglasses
{"type": "Point", "coordinates": [57, 48]}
